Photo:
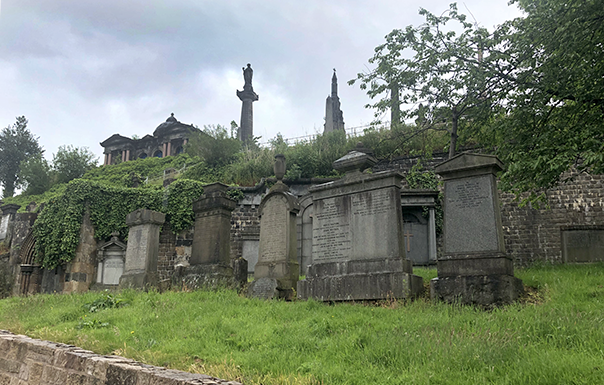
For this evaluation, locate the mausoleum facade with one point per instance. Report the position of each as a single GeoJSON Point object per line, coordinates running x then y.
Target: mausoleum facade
{"type": "Point", "coordinates": [169, 138]}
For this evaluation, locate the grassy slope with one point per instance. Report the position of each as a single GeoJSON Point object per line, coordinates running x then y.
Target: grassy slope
{"type": "Point", "coordinates": [558, 340]}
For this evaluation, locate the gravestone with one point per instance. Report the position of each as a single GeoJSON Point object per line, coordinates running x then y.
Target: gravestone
{"type": "Point", "coordinates": [419, 229]}
{"type": "Point", "coordinates": [276, 273]}
{"type": "Point", "coordinates": [358, 251]}
{"type": "Point", "coordinates": [140, 267]}
{"type": "Point", "coordinates": [474, 268]}
{"type": "Point", "coordinates": [210, 262]}
{"type": "Point", "coordinates": [110, 256]}
{"type": "Point", "coordinates": [582, 243]}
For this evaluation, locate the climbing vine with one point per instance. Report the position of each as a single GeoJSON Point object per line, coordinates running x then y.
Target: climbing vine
{"type": "Point", "coordinates": [57, 229]}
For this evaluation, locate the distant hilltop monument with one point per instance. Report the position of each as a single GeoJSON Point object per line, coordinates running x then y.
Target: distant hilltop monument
{"type": "Point", "coordinates": [334, 118]}
{"type": "Point", "coordinates": [247, 97]}
{"type": "Point", "coordinates": [169, 138]}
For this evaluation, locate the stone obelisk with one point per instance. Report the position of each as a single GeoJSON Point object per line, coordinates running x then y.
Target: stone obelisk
{"type": "Point", "coordinates": [247, 96]}
{"type": "Point", "coordinates": [334, 118]}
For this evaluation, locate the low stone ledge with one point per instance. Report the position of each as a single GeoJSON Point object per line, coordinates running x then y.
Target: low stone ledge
{"type": "Point", "coordinates": [29, 361]}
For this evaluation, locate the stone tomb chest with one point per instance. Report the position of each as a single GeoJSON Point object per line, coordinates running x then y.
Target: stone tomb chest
{"type": "Point", "coordinates": [110, 257]}
{"type": "Point", "coordinates": [357, 248]}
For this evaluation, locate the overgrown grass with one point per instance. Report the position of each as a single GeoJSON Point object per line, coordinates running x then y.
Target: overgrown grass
{"type": "Point", "coordinates": [554, 336]}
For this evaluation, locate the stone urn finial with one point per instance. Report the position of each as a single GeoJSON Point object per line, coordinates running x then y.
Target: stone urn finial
{"type": "Point", "coordinates": [279, 166]}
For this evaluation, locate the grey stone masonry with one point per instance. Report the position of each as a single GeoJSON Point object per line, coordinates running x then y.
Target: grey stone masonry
{"type": "Point", "coordinates": [474, 268]}
{"type": "Point", "coordinates": [27, 361]}
{"type": "Point", "coordinates": [276, 273]}
{"type": "Point", "coordinates": [247, 97]}
{"type": "Point", "coordinates": [358, 250]}
{"type": "Point", "coordinates": [140, 267]}
{"type": "Point", "coordinates": [210, 262]}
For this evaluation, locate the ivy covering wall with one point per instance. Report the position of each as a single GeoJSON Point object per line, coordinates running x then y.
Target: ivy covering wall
{"type": "Point", "coordinates": [57, 229]}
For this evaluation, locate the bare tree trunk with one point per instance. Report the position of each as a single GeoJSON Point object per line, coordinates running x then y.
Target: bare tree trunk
{"type": "Point", "coordinates": [395, 108]}
{"type": "Point", "coordinates": [453, 143]}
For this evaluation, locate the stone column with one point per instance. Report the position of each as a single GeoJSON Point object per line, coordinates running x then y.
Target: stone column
{"type": "Point", "coordinates": [169, 149]}
{"type": "Point", "coordinates": [474, 268]}
{"type": "Point", "coordinates": [109, 158]}
{"type": "Point", "coordinates": [277, 271]}
{"type": "Point", "coordinates": [140, 269]}
{"type": "Point", "coordinates": [163, 151]}
{"type": "Point", "coordinates": [247, 97]}
{"type": "Point", "coordinates": [210, 262]}
{"type": "Point", "coordinates": [105, 161]}
{"type": "Point", "coordinates": [432, 236]}
{"type": "Point", "coordinates": [127, 155]}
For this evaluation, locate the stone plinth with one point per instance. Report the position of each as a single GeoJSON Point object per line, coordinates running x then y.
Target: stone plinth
{"type": "Point", "coordinates": [475, 268]}
{"type": "Point", "coordinates": [358, 249]}
{"type": "Point", "coordinates": [210, 262]}
{"type": "Point", "coordinates": [140, 268]}
{"type": "Point", "coordinates": [7, 214]}
{"type": "Point", "coordinates": [277, 271]}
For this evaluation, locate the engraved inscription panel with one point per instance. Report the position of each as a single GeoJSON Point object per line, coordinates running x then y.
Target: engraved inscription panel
{"type": "Point", "coordinates": [363, 225]}
{"type": "Point", "coordinates": [273, 230]}
{"type": "Point", "coordinates": [113, 268]}
{"type": "Point", "coordinates": [470, 224]}
{"type": "Point", "coordinates": [583, 245]}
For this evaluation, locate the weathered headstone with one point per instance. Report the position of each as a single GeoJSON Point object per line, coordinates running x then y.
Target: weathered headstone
{"type": "Point", "coordinates": [140, 268]}
{"type": "Point", "coordinates": [475, 268]}
{"type": "Point", "coordinates": [210, 262]}
{"type": "Point", "coordinates": [582, 243]}
{"type": "Point", "coordinates": [111, 256]}
{"type": "Point", "coordinates": [277, 270]}
{"type": "Point", "coordinates": [358, 248]}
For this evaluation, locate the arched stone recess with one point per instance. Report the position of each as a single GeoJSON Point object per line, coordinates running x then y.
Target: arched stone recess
{"type": "Point", "coordinates": [304, 224]}
{"type": "Point", "coordinates": [30, 276]}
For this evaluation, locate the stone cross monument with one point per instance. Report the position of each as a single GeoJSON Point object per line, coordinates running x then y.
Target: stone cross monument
{"type": "Point", "coordinates": [475, 268]}
{"type": "Point", "coordinates": [247, 97]}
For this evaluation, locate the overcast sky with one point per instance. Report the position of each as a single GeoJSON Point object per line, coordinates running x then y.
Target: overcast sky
{"type": "Point", "coordinates": [83, 70]}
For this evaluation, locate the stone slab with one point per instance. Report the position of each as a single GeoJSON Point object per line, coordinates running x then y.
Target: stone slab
{"type": "Point", "coordinates": [483, 290]}
{"type": "Point", "coordinates": [471, 223]}
{"type": "Point", "coordinates": [4, 226]}
{"type": "Point", "coordinates": [195, 277]}
{"type": "Point", "coordinates": [264, 288]}
{"type": "Point", "coordinates": [475, 265]}
{"type": "Point", "coordinates": [583, 245]}
{"type": "Point", "coordinates": [361, 287]}
{"type": "Point", "coordinates": [357, 225]}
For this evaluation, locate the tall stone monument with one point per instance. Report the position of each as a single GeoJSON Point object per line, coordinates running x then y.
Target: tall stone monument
{"type": "Point", "coordinates": [140, 267]}
{"type": "Point", "coordinates": [247, 97]}
{"type": "Point", "coordinates": [475, 268]}
{"type": "Point", "coordinates": [210, 262]}
{"type": "Point", "coordinates": [277, 270]}
{"type": "Point", "coordinates": [334, 117]}
{"type": "Point", "coordinates": [358, 250]}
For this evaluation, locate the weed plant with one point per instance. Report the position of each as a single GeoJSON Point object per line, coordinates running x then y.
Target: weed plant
{"type": "Point", "coordinates": [554, 335]}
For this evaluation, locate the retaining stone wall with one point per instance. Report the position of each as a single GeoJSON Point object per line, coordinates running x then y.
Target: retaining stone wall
{"type": "Point", "coordinates": [27, 361]}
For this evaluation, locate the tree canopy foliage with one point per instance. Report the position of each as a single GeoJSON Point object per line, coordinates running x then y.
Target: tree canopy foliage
{"type": "Point", "coordinates": [532, 89]}
{"type": "Point", "coordinates": [17, 144]}
{"type": "Point", "coordinates": [554, 111]}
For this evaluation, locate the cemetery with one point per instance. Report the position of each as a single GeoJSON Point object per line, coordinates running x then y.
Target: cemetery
{"type": "Point", "coordinates": [341, 259]}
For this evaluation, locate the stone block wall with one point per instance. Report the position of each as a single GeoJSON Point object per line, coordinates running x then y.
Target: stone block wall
{"type": "Point", "coordinates": [244, 222]}
{"type": "Point", "coordinates": [26, 361]}
{"type": "Point", "coordinates": [534, 234]}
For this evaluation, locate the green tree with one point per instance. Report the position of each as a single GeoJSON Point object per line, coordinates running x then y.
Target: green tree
{"type": "Point", "coordinates": [553, 65]}
{"type": "Point", "coordinates": [17, 144]}
{"type": "Point", "coordinates": [435, 73]}
{"type": "Point", "coordinates": [72, 162]}
{"type": "Point", "coordinates": [214, 145]}
{"type": "Point", "coordinates": [35, 175]}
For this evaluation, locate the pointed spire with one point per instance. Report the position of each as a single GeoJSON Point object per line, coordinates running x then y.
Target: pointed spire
{"type": "Point", "coordinates": [334, 84]}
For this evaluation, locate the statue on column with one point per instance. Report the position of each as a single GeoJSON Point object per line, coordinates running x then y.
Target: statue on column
{"type": "Point", "coordinates": [248, 72]}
